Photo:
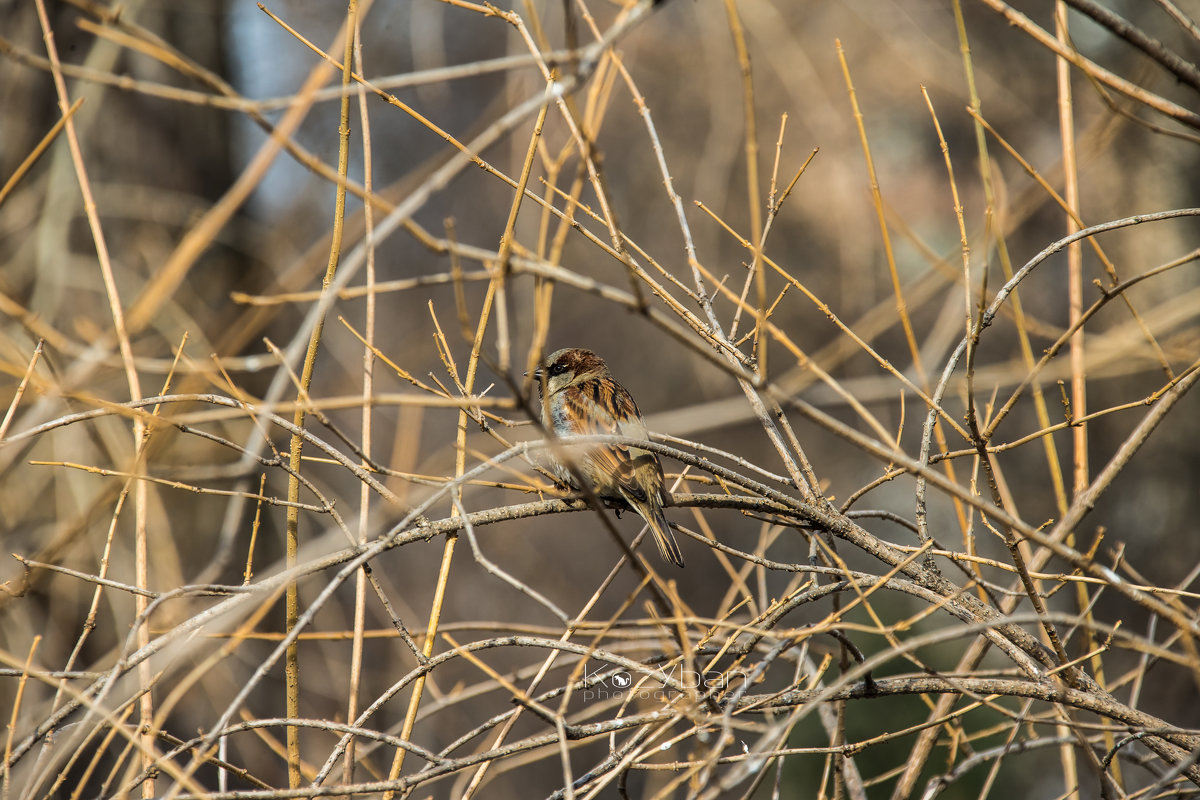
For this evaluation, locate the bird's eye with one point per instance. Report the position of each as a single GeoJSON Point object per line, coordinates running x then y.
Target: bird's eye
{"type": "Point", "coordinates": [557, 368]}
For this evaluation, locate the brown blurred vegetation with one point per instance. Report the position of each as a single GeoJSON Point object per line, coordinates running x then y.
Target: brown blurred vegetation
{"type": "Point", "coordinates": [142, 618]}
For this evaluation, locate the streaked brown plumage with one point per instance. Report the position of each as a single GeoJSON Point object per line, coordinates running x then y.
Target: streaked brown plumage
{"type": "Point", "coordinates": [582, 398]}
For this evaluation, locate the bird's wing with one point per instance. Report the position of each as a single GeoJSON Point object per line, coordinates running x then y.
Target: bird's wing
{"type": "Point", "coordinates": [602, 407]}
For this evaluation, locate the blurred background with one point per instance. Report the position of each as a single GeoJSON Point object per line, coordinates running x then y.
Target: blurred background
{"type": "Point", "coordinates": [178, 103]}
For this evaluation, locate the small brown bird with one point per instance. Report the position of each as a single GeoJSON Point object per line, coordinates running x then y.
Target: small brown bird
{"type": "Point", "coordinates": [582, 398]}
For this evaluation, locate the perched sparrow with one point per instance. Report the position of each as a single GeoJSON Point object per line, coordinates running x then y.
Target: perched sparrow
{"type": "Point", "coordinates": [582, 398]}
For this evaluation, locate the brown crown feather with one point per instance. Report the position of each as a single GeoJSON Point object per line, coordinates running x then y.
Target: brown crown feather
{"type": "Point", "coordinates": [578, 361]}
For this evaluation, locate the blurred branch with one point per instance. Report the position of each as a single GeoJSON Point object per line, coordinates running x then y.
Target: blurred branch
{"type": "Point", "coordinates": [1110, 79]}
{"type": "Point", "coordinates": [1174, 63]}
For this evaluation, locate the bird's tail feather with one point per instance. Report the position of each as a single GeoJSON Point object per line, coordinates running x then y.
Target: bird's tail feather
{"type": "Point", "coordinates": [663, 536]}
